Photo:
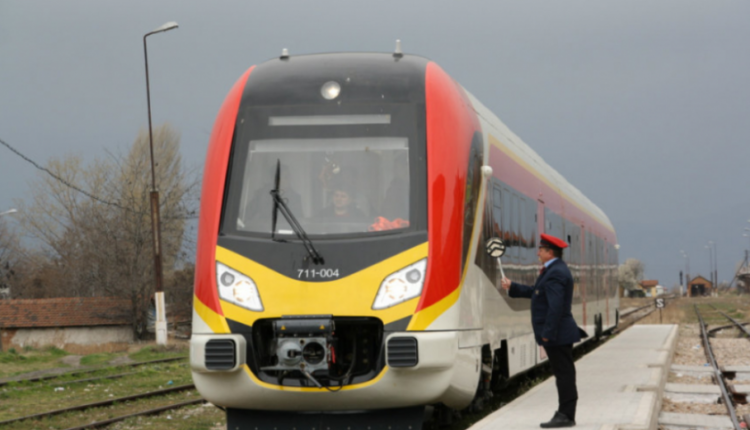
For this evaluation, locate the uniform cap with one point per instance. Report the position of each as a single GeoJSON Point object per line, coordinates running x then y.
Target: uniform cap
{"type": "Point", "coordinates": [552, 241]}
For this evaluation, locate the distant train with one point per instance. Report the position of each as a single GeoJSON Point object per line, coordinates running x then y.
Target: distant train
{"type": "Point", "coordinates": [347, 200]}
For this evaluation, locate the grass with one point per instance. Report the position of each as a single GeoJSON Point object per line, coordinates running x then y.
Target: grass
{"type": "Point", "coordinates": [26, 398]}
{"type": "Point", "coordinates": [199, 417]}
{"type": "Point", "coordinates": [77, 418]}
{"type": "Point", "coordinates": [158, 352]}
{"type": "Point", "coordinates": [97, 359]}
{"type": "Point", "coordinates": [682, 310]}
{"type": "Point", "coordinates": [29, 359]}
{"type": "Point", "coordinates": [29, 398]}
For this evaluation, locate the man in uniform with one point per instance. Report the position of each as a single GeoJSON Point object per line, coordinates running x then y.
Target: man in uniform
{"type": "Point", "coordinates": [554, 326]}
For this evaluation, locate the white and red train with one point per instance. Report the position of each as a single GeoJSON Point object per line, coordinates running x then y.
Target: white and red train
{"type": "Point", "coordinates": [341, 267]}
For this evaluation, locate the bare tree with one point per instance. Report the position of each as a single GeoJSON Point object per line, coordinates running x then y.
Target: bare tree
{"type": "Point", "coordinates": [94, 222]}
{"type": "Point", "coordinates": [9, 246]}
{"type": "Point", "coordinates": [630, 273]}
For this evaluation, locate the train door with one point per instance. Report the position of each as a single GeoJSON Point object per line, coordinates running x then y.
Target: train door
{"type": "Point", "coordinates": [605, 275]}
{"type": "Point", "coordinates": [582, 260]}
{"type": "Point", "coordinates": [540, 217]}
{"type": "Point", "coordinates": [540, 225]}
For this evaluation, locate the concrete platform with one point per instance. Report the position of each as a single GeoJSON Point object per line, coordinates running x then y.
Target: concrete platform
{"type": "Point", "coordinates": [671, 420]}
{"type": "Point", "coordinates": [619, 386]}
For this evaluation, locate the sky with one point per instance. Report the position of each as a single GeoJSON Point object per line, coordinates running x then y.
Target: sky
{"type": "Point", "coordinates": [643, 105]}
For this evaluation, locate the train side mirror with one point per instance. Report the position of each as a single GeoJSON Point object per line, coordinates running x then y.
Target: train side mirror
{"type": "Point", "coordinates": [495, 247]}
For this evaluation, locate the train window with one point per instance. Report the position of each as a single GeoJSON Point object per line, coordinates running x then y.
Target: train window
{"type": "Point", "coordinates": [521, 227]}
{"type": "Point", "coordinates": [534, 233]}
{"type": "Point", "coordinates": [507, 233]}
{"type": "Point", "coordinates": [489, 230]}
{"type": "Point", "coordinates": [473, 185]}
{"type": "Point", "coordinates": [515, 233]}
{"type": "Point", "coordinates": [331, 186]}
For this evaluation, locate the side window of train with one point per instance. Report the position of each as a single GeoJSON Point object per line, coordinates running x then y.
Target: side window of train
{"type": "Point", "coordinates": [497, 213]}
{"type": "Point", "coordinates": [506, 209]}
{"type": "Point", "coordinates": [514, 226]}
{"type": "Point", "coordinates": [473, 184]}
{"type": "Point", "coordinates": [490, 229]}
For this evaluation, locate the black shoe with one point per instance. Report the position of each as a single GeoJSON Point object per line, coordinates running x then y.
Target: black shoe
{"type": "Point", "coordinates": [559, 420]}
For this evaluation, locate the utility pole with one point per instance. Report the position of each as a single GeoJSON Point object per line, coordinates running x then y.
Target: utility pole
{"type": "Point", "coordinates": [161, 318]}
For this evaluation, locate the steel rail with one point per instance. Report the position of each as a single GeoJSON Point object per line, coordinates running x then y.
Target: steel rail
{"type": "Point", "coordinates": [624, 325]}
{"type": "Point", "coordinates": [83, 372]}
{"type": "Point", "coordinates": [154, 411]}
{"type": "Point", "coordinates": [717, 372]}
{"type": "Point", "coordinates": [78, 381]}
{"type": "Point", "coordinates": [715, 329]}
{"type": "Point", "coordinates": [632, 311]}
{"type": "Point", "coordinates": [100, 404]}
{"type": "Point", "coordinates": [739, 325]}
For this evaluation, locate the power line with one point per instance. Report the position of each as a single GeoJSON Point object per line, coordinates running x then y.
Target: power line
{"type": "Point", "coordinates": [69, 185]}
{"type": "Point", "coordinates": [63, 181]}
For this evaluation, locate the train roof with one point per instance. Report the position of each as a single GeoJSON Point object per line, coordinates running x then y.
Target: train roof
{"type": "Point", "coordinates": [364, 77]}
{"type": "Point", "coordinates": [528, 155]}
{"type": "Point", "coordinates": [297, 79]}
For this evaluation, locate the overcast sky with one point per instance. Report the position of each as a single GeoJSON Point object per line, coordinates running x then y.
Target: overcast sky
{"type": "Point", "coordinates": [642, 105]}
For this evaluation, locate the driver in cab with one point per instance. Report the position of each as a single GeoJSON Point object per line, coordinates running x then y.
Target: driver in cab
{"type": "Point", "coordinates": [342, 207]}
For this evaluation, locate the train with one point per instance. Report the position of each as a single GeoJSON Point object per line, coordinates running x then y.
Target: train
{"type": "Point", "coordinates": [343, 276]}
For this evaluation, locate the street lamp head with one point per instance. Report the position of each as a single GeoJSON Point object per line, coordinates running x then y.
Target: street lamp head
{"type": "Point", "coordinates": [165, 27]}
{"type": "Point", "coordinates": [9, 211]}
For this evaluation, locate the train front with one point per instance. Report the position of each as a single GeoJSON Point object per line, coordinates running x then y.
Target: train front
{"type": "Point", "coordinates": [313, 242]}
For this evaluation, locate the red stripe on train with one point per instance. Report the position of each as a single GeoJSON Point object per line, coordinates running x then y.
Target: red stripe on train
{"type": "Point", "coordinates": [451, 124]}
{"type": "Point", "coordinates": [214, 176]}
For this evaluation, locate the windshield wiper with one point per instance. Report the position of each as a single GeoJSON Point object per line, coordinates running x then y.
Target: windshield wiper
{"type": "Point", "coordinates": [279, 205]}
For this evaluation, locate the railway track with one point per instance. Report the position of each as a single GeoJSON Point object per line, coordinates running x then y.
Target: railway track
{"type": "Point", "coordinates": [122, 402]}
{"type": "Point", "coordinates": [100, 404]}
{"type": "Point", "coordinates": [695, 396]}
{"type": "Point", "coordinates": [632, 316]}
{"type": "Point", "coordinates": [147, 412]}
{"type": "Point", "coordinates": [87, 371]}
{"type": "Point", "coordinates": [718, 375]}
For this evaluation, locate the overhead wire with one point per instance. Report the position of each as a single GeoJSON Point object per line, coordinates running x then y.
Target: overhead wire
{"type": "Point", "coordinates": [71, 186]}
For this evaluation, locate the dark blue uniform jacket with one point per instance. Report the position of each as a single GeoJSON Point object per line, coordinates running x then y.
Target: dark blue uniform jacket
{"type": "Point", "coordinates": [551, 301]}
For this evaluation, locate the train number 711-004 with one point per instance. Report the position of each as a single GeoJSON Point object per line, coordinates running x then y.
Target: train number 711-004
{"type": "Point", "coordinates": [320, 273]}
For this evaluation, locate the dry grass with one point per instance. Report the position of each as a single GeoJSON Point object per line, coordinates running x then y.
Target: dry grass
{"type": "Point", "coordinates": [682, 311]}
{"type": "Point", "coordinates": [13, 362]}
{"type": "Point", "coordinates": [26, 398]}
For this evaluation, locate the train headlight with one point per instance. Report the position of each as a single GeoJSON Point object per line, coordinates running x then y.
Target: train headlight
{"type": "Point", "coordinates": [237, 288]}
{"type": "Point", "coordinates": [330, 90]}
{"type": "Point", "coordinates": [401, 286]}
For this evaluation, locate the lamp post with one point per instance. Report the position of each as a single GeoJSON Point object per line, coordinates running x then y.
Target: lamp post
{"type": "Point", "coordinates": [161, 318]}
{"type": "Point", "coordinates": [687, 272]}
{"type": "Point", "coordinates": [711, 263]}
{"type": "Point", "coordinates": [716, 267]}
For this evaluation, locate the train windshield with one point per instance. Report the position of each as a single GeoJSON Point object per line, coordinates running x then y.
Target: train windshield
{"type": "Point", "coordinates": [332, 186]}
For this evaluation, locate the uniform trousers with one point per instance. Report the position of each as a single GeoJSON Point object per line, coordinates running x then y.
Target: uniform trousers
{"type": "Point", "coordinates": [564, 369]}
